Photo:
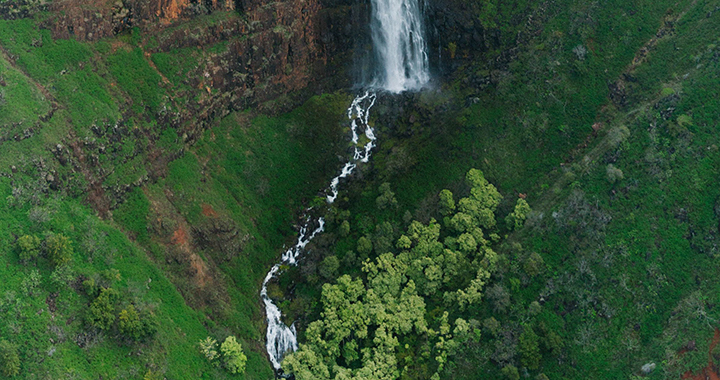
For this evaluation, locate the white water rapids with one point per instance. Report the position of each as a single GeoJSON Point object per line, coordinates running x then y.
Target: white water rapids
{"type": "Point", "coordinates": [281, 338]}
{"type": "Point", "coordinates": [399, 43]}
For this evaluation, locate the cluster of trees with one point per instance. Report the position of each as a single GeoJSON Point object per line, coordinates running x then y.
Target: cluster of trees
{"type": "Point", "coordinates": [105, 312]}
{"type": "Point", "coordinates": [230, 355]}
{"type": "Point", "coordinates": [408, 309]}
{"type": "Point", "coordinates": [56, 247]}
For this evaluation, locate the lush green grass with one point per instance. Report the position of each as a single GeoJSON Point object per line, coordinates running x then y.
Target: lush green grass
{"type": "Point", "coordinates": [98, 246]}
{"type": "Point", "coordinates": [21, 100]}
{"type": "Point", "coordinates": [135, 76]}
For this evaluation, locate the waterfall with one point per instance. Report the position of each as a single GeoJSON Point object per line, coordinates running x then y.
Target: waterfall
{"type": "Point", "coordinates": [280, 337]}
{"type": "Point", "coordinates": [399, 43]}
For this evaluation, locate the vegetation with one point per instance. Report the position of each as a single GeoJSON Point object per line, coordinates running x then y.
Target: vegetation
{"type": "Point", "coordinates": [548, 211]}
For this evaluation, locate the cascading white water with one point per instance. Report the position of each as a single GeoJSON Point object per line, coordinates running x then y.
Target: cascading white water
{"type": "Point", "coordinates": [280, 337]}
{"type": "Point", "coordinates": [399, 43]}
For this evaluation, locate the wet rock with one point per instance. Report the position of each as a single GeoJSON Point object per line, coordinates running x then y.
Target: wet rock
{"type": "Point", "coordinates": [648, 368]}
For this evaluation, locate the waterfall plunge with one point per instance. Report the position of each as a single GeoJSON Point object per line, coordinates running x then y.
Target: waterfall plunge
{"type": "Point", "coordinates": [399, 43]}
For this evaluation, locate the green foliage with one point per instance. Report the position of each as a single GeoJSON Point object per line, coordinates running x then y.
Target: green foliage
{"type": "Point", "coordinates": [533, 264]}
{"type": "Point", "coordinates": [516, 219]}
{"type": "Point", "coordinates": [233, 357]}
{"type": "Point", "coordinates": [129, 323]}
{"type": "Point", "coordinates": [9, 359]}
{"type": "Point", "coordinates": [434, 265]}
{"type": "Point", "coordinates": [530, 348]}
{"type": "Point", "coordinates": [101, 313]}
{"type": "Point", "coordinates": [135, 76]}
{"type": "Point", "coordinates": [30, 283]}
{"type": "Point", "coordinates": [208, 347]}
{"type": "Point", "coordinates": [59, 249]}
{"type": "Point", "coordinates": [133, 213]}
{"type": "Point", "coordinates": [613, 174]}
{"type": "Point", "coordinates": [28, 247]}
{"type": "Point", "coordinates": [386, 199]}
{"type": "Point", "coordinates": [328, 268]}
{"type": "Point", "coordinates": [62, 276]}
{"type": "Point", "coordinates": [446, 202]}
{"type": "Point", "coordinates": [364, 246]}
{"type": "Point", "coordinates": [511, 372]}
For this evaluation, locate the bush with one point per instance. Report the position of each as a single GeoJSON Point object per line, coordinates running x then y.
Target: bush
{"type": "Point", "coordinates": [29, 247]}
{"type": "Point", "coordinates": [613, 174]}
{"type": "Point", "coordinates": [208, 347]}
{"type": "Point", "coordinates": [530, 348]}
{"type": "Point", "coordinates": [58, 249]}
{"type": "Point", "coordinates": [129, 323]}
{"type": "Point", "coordinates": [516, 219]}
{"type": "Point", "coordinates": [511, 372]}
{"type": "Point", "coordinates": [101, 313]}
{"type": "Point", "coordinates": [232, 355]}
{"type": "Point", "coordinates": [329, 267]}
{"type": "Point", "coordinates": [9, 359]}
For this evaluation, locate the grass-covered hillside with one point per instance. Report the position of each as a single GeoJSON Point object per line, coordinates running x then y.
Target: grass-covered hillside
{"type": "Point", "coordinates": [139, 214]}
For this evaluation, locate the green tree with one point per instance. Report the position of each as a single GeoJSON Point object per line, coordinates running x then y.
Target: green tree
{"type": "Point", "coordinates": [28, 247]}
{"type": "Point", "coordinates": [446, 202]}
{"type": "Point", "coordinates": [329, 267]}
{"type": "Point", "coordinates": [516, 219]}
{"type": "Point", "coordinates": [386, 199]}
{"type": "Point", "coordinates": [9, 359]}
{"type": "Point", "coordinates": [101, 313]}
{"type": "Point", "coordinates": [208, 347]}
{"type": "Point", "coordinates": [529, 346]}
{"type": "Point", "coordinates": [344, 228]}
{"type": "Point", "coordinates": [130, 324]}
{"type": "Point", "coordinates": [364, 247]}
{"type": "Point", "coordinates": [534, 264]}
{"type": "Point", "coordinates": [306, 364]}
{"type": "Point", "coordinates": [232, 355]}
{"type": "Point", "coordinates": [59, 249]}
{"type": "Point", "coordinates": [511, 372]}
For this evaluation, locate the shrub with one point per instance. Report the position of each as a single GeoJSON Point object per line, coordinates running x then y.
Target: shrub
{"type": "Point", "coordinates": [516, 219]}
{"type": "Point", "coordinates": [29, 247]}
{"type": "Point", "coordinates": [101, 313]}
{"type": "Point", "coordinates": [208, 347]}
{"type": "Point", "coordinates": [386, 199]}
{"type": "Point", "coordinates": [530, 348]}
{"type": "Point", "coordinates": [232, 355]}
{"type": "Point", "coordinates": [129, 323]}
{"type": "Point", "coordinates": [58, 249]}
{"type": "Point", "coordinates": [613, 174]}
{"type": "Point", "coordinates": [9, 359]}
{"type": "Point", "coordinates": [511, 372]}
{"type": "Point", "coordinates": [329, 267]}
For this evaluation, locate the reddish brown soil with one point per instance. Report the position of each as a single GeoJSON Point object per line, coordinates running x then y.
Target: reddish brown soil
{"type": "Point", "coordinates": [710, 372]}
{"type": "Point", "coordinates": [180, 236]}
{"type": "Point", "coordinates": [208, 211]}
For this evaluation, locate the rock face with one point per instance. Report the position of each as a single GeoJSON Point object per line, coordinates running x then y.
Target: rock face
{"type": "Point", "coordinates": [89, 20]}
{"type": "Point", "coordinates": [12, 10]}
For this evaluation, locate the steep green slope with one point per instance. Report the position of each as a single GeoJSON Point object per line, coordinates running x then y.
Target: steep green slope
{"type": "Point", "coordinates": [189, 212]}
